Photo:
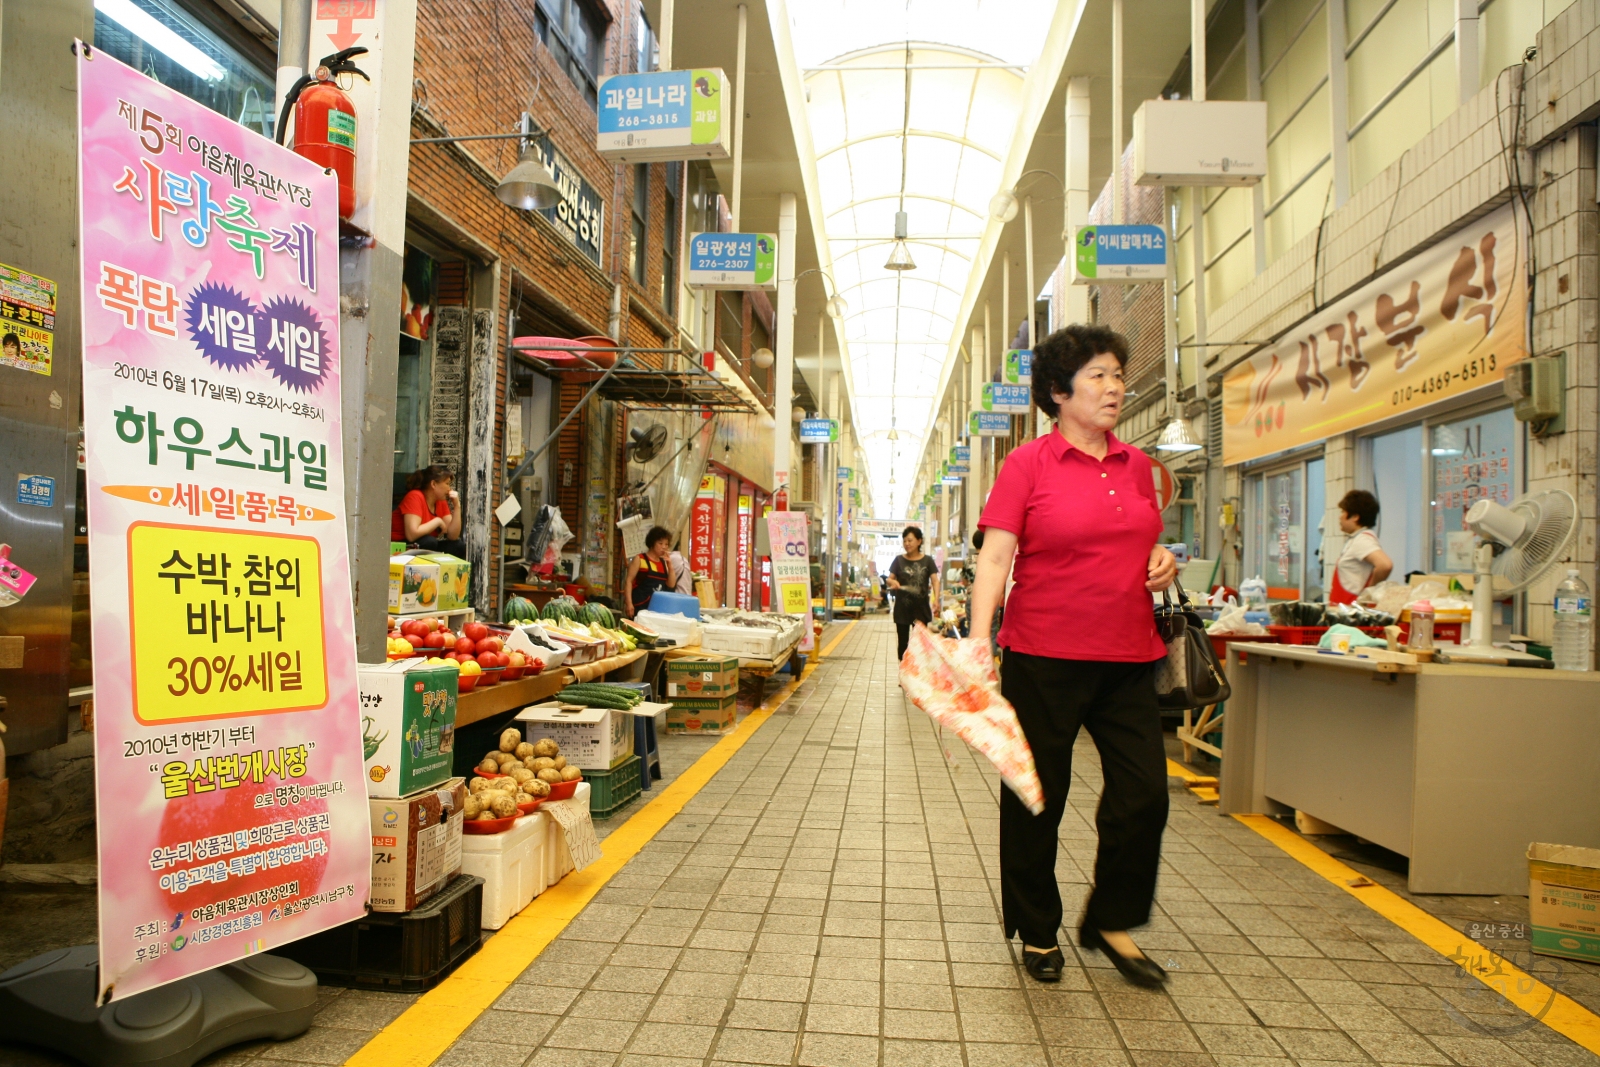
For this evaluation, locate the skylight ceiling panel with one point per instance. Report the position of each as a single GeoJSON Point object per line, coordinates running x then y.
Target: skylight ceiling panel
{"type": "Point", "coordinates": [939, 98]}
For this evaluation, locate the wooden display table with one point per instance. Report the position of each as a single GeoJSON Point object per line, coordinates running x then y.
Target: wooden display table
{"type": "Point", "coordinates": [495, 700]}
{"type": "Point", "coordinates": [486, 703]}
{"type": "Point", "coordinates": [1456, 766]}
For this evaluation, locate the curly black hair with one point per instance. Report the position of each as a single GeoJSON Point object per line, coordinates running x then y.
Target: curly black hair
{"type": "Point", "coordinates": [1059, 358]}
{"type": "Point", "coordinates": [1361, 506]}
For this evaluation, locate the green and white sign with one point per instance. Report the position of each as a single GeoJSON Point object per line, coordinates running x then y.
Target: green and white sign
{"type": "Point", "coordinates": [1019, 366]}
{"type": "Point", "coordinates": [1119, 254]}
{"type": "Point", "coordinates": [733, 261]}
{"type": "Point", "coordinates": [1011, 399]}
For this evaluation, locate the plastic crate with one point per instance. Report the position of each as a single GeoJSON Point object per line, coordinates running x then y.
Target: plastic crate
{"type": "Point", "coordinates": [610, 790]}
{"type": "Point", "coordinates": [1310, 635]}
{"type": "Point", "coordinates": [400, 952]}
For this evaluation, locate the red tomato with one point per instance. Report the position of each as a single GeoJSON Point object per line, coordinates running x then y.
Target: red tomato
{"type": "Point", "coordinates": [516, 659]}
{"type": "Point", "coordinates": [434, 640]}
{"type": "Point", "coordinates": [464, 644]}
{"type": "Point", "coordinates": [475, 630]}
{"type": "Point", "coordinates": [411, 626]}
{"type": "Point", "coordinates": [490, 644]}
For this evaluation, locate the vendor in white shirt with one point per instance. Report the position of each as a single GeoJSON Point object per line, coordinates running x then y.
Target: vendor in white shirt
{"type": "Point", "coordinates": [1363, 561]}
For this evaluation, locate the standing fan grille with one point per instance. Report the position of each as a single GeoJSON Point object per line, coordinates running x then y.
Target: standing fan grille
{"type": "Point", "coordinates": [1552, 521]}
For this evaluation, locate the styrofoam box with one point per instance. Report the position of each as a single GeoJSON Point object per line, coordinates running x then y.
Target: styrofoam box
{"type": "Point", "coordinates": [739, 640]}
{"type": "Point", "coordinates": [521, 863]}
{"type": "Point", "coordinates": [681, 628]}
{"type": "Point", "coordinates": [510, 864]}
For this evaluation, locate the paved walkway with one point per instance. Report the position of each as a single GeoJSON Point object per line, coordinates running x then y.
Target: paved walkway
{"type": "Point", "coordinates": [830, 899]}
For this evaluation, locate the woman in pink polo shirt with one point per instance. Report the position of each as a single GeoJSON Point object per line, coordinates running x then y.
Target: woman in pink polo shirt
{"type": "Point", "coordinates": [1072, 517]}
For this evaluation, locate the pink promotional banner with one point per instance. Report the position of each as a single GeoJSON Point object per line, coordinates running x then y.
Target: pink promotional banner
{"type": "Point", "coordinates": [228, 753]}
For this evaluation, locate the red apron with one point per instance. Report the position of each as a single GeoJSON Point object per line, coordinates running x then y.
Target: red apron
{"type": "Point", "coordinates": [1339, 594]}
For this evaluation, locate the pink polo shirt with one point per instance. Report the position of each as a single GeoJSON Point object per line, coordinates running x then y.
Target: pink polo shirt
{"type": "Point", "coordinates": [1084, 530]}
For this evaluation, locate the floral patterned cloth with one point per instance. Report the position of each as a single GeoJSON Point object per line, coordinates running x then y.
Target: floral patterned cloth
{"type": "Point", "coordinates": [955, 683]}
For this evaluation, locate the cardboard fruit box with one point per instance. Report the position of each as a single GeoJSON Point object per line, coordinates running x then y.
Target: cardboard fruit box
{"type": "Point", "coordinates": [591, 739]}
{"type": "Point", "coordinates": [413, 584]}
{"type": "Point", "coordinates": [416, 845]}
{"type": "Point", "coordinates": [1564, 901]}
{"type": "Point", "coordinates": [408, 725]}
{"type": "Point", "coordinates": [702, 677]}
{"type": "Point", "coordinates": [714, 716]}
{"type": "Point", "coordinates": [455, 580]}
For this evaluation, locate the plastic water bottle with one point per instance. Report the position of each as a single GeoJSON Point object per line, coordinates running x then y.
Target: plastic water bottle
{"type": "Point", "coordinates": [1253, 591]}
{"type": "Point", "coordinates": [1571, 643]}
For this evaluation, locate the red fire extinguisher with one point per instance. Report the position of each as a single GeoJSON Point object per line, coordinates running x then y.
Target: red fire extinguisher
{"type": "Point", "coordinates": [325, 122]}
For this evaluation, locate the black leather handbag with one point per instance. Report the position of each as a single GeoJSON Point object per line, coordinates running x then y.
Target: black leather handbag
{"type": "Point", "coordinates": [1191, 676]}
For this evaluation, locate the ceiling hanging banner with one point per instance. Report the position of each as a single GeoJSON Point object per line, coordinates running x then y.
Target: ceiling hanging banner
{"type": "Point", "coordinates": [232, 810]}
{"type": "Point", "coordinates": [1445, 322]}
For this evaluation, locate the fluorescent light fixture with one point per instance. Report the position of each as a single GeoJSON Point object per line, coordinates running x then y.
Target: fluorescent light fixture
{"type": "Point", "coordinates": [139, 22]}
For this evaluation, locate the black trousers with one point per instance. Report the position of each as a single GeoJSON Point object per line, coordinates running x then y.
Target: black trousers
{"type": "Point", "coordinates": [909, 609]}
{"type": "Point", "coordinates": [456, 548]}
{"type": "Point", "coordinates": [1116, 702]}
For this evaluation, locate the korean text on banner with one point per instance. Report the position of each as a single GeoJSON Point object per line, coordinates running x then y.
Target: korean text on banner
{"type": "Point", "coordinates": [791, 562]}
{"type": "Point", "coordinates": [1443, 323]}
{"type": "Point", "coordinates": [228, 741]}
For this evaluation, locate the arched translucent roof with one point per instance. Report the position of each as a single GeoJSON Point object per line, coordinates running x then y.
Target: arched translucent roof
{"type": "Point", "coordinates": [940, 160]}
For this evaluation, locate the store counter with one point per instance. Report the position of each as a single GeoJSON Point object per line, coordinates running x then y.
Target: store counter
{"type": "Point", "coordinates": [1457, 767]}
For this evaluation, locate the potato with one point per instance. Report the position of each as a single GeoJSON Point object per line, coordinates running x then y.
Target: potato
{"type": "Point", "coordinates": [551, 775]}
{"type": "Point", "coordinates": [538, 788]}
{"type": "Point", "coordinates": [528, 763]}
{"type": "Point", "coordinates": [504, 759]}
{"type": "Point", "coordinates": [523, 798]}
{"type": "Point", "coordinates": [546, 746]}
{"type": "Point", "coordinates": [510, 738]}
{"type": "Point", "coordinates": [474, 805]}
{"type": "Point", "coordinates": [559, 763]}
{"type": "Point", "coordinates": [523, 751]}
{"type": "Point", "coordinates": [484, 814]}
{"type": "Point", "coordinates": [543, 763]}
{"type": "Point", "coordinates": [478, 785]}
{"type": "Point", "coordinates": [503, 806]}
{"type": "Point", "coordinates": [490, 765]}
{"type": "Point", "coordinates": [571, 774]}
{"type": "Point", "coordinates": [521, 774]}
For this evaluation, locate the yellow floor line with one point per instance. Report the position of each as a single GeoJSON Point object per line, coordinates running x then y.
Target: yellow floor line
{"type": "Point", "coordinates": [1557, 1011]}
{"type": "Point", "coordinates": [427, 1029]}
{"type": "Point", "coordinates": [1178, 770]}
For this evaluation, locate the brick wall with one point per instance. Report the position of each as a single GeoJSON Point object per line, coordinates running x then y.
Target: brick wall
{"type": "Point", "coordinates": [478, 67]}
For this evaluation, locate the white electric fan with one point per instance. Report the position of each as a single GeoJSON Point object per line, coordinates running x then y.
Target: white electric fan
{"type": "Point", "coordinates": [1518, 545]}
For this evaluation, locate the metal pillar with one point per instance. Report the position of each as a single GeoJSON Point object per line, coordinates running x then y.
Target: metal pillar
{"type": "Point", "coordinates": [783, 388]}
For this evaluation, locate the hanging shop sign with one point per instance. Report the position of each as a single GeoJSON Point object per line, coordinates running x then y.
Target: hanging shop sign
{"type": "Point", "coordinates": [880, 527]}
{"type": "Point", "coordinates": [1166, 485]}
{"type": "Point", "coordinates": [1119, 254]}
{"type": "Point", "coordinates": [581, 213]}
{"type": "Point", "coordinates": [819, 431]}
{"type": "Point", "coordinates": [845, 474]}
{"type": "Point", "coordinates": [960, 459]}
{"type": "Point", "coordinates": [744, 547]}
{"type": "Point", "coordinates": [1447, 321]}
{"type": "Point", "coordinates": [1007, 399]}
{"type": "Point", "coordinates": [707, 528]}
{"type": "Point", "coordinates": [228, 743]}
{"type": "Point", "coordinates": [988, 424]}
{"type": "Point", "coordinates": [27, 320]}
{"type": "Point", "coordinates": [791, 561]}
{"type": "Point", "coordinates": [662, 115]}
{"type": "Point", "coordinates": [733, 261]}
{"type": "Point", "coordinates": [1019, 366]}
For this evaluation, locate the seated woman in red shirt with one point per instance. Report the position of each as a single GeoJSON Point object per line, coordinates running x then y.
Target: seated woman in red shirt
{"type": "Point", "coordinates": [1076, 511]}
{"type": "Point", "coordinates": [429, 515]}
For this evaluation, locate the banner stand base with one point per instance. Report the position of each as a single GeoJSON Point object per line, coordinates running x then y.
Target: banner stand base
{"type": "Point", "coordinates": [49, 1001]}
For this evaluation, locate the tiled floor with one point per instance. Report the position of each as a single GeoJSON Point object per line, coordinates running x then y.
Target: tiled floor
{"type": "Point", "coordinates": [830, 898]}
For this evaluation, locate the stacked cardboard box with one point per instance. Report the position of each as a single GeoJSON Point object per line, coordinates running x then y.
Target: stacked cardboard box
{"type": "Point", "coordinates": [704, 692]}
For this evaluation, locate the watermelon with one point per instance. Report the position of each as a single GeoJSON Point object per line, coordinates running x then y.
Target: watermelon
{"type": "Point", "coordinates": [518, 609]}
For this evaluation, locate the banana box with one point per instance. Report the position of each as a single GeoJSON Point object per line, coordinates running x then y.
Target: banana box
{"type": "Point", "coordinates": [455, 580]}
{"type": "Point", "coordinates": [413, 584]}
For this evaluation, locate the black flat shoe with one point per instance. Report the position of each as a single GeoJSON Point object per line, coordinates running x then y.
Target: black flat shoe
{"type": "Point", "coordinates": [1044, 966]}
{"type": "Point", "coordinates": [1140, 970]}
